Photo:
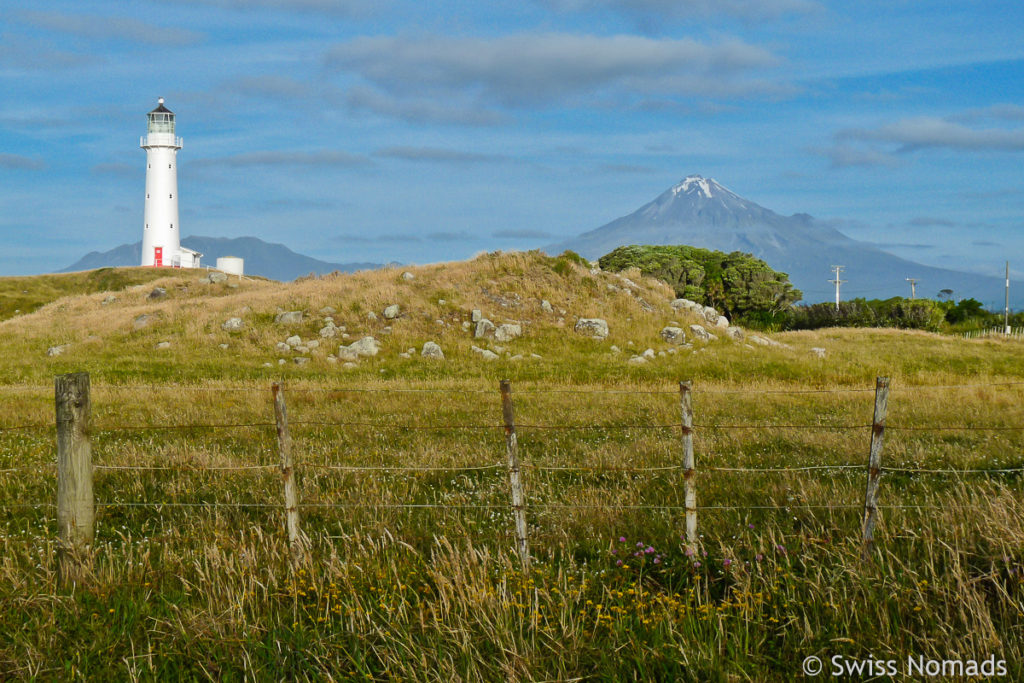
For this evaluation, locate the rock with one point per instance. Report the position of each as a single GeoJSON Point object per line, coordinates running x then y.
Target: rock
{"type": "Point", "coordinates": [224, 346]}
{"type": "Point", "coordinates": [157, 293]}
{"type": "Point", "coordinates": [282, 347]}
{"type": "Point", "coordinates": [349, 365]}
{"type": "Point", "coordinates": [466, 325]}
{"type": "Point", "coordinates": [164, 345]}
{"type": "Point", "coordinates": [301, 360]}
{"type": "Point", "coordinates": [518, 356]}
{"type": "Point", "coordinates": [484, 328]}
{"type": "Point", "coordinates": [313, 343]}
{"type": "Point", "coordinates": [614, 349]}
{"type": "Point", "coordinates": [371, 316]}
{"type": "Point", "coordinates": [392, 312]}
{"type": "Point", "coordinates": [328, 310]}
{"type": "Point", "coordinates": [268, 365]}
{"type": "Point", "coordinates": [818, 351]}
{"type": "Point", "coordinates": [508, 332]}
{"type": "Point", "coordinates": [648, 354]}
{"type": "Point", "coordinates": [637, 360]}
{"type": "Point", "coordinates": [441, 302]}
{"type": "Point", "coordinates": [386, 329]}
{"type": "Point", "coordinates": [332, 359]}
{"type": "Point", "coordinates": [682, 304]}
{"type": "Point", "coordinates": [535, 356]}
{"type": "Point", "coordinates": [408, 276]}
{"type": "Point", "coordinates": [281, 361]}
{"type": "Point", "coordinates": [475, 315]}
{"type": "Point", "coordinates": [345, 335]}
{"type": "Point", "coordinates": [710, 314]}
{"type": "Point", "coordinates": [673, 335]}
{"type": "Point", "coordinates": [432, 350]}
{"type": "Point", "coordinates": [734, 332]}
{"type": "Point", "coordinates": [405, 354]}
{"type": "Point", "coordinates": [57, 350]}
{"type": "Point", "coordinates": [216, 276]}
{"type": "Point", "coordinates": [233, 324]}
{"type": "Point", "coordinates": [204, 280]}
{"type": "Point", "coordinates": [700, 333]}
{"type": "Point", "coordinates": [545, 306]}
{"type": "Point", "coordinates": [411, 350]}
{"type": "Point", "coordinates": [293, 340]}
{"type": "Point", "coordinates": [109, 299]}
{"type": "Point", "coordinates": [288, 318]}
{"type": "Point", "coordinates": [612, 288]}
{"type": "Point", "coordinates": [722, 322]}
{"type": "Point", "coordinates": [439, 322]}
{"type": "Point", "coordinates": [367, 346]}
{"type": "Point", "coordinates": [593, 327]}
{"type": "Point", "coordinates": [488, 355]}
{"type": "Point", "coordinates": [233, 285]}
{"type": "Point", "coordinates": [661, 354]}
{"type": "Point", "coordinates": [141, 321]}
{"type": "Point", "coordinates": [329, 330]}
{"type": "Point", "coordinates": [672, 351]}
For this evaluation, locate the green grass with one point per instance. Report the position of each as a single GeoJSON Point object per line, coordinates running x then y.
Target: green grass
{"type": "Point", "coordinates": [426, 593]}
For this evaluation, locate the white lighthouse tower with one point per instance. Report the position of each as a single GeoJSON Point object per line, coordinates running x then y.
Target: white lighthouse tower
{"type": "Point", "coordinates": [161, 245]}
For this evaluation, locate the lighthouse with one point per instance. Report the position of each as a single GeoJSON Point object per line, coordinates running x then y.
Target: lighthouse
{"type": "Point", "coordinates": [161, 240]}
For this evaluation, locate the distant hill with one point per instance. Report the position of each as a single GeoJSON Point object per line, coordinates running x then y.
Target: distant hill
{"type": "Point", "coordinates": [701, 213]}
{"type": "Point", "coordinates": [274, 261]}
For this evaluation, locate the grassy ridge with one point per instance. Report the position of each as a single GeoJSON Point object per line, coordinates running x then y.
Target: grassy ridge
{"type": "Point", "coordinates": [434, 592]}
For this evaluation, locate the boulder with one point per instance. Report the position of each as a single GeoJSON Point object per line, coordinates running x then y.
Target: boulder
{"type": "Point", "coordinates": [487, 355]}
{"type": "Point", "coordinates": [698, 332]}
{"type": "Point", "coordinates": [592, 327]}
{"type": "Point", "coordinates": [637, 360]}
{"type": "Point", "coordinates": [673, 335]}
{"type": "Point", "coordinates": [223, 346]}
{"type": "Point", "coordinates": [371, 316]}
{"type": "Point", "coordinates": [508, 332]}
{"type": "Point", "coordinates": [57, 350]}
{"type": "Point", "coordinates": [157, 293]}
{"type": "Point", "coordinates": [722, 322]}
{"type": "Point", "coordinates": [329, 330]}
{"type": "Point", "coordinates": [164, 345]}
{"type": "Point", "coordinates": [408, 276]}
{"type": "Point", "coordinates": [282, 347]}
{"type": "Point", "coordinates": [288, 318]}
{"type": "Point", "coordinates": [683, 304]}
{"type": "Point", "coordinates": [545, 306]}
{"type": "Point", "coordinates": [367, 346]}
{"type": "Point", "coordinates": [349, 365]}
{"type": "Point", "coordinates": [432, 350]}
{"type": "Point", "coordinates": [648, 354]}
{"type": "Point", "coordinates": [484, 328]}
{"type": "Point", "coordinates": [328, 310]}
{"type": "Point", "coordinates": [301, 348]}
{"type": "Point", "coordinates": [734, 332]}
{"type": "Point", "coordinates": [233, 324]}
{"type": "Point", "coordinates": [216, 276]}
{"type": "Point", "coordinates": [710, 314]}
{"type": "Point", "coordinates": [109, 299]}
{"type": "Point", "coordinates": [301, 360]}
{"type": "Point", "coordinates": [141, 321]}
{"type": "Point", "coordinates": [475, 315]}
{"type": "Point", "coordinates": [392, 312]}
{"type": "Point", "coordinates": [293, 340]}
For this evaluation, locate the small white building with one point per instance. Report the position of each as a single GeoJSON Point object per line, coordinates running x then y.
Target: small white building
{"type": "Point", "coordinates": [161, 232]}
{"type": "Point", "coordinates": [232, 265]}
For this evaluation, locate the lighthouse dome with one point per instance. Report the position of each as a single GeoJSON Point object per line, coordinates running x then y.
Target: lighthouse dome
{"type": "Point", "coordinates": [161, 119]}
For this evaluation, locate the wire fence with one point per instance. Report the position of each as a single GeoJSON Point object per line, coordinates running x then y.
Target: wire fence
{"type": "Point", "coordinates": [75, 430]}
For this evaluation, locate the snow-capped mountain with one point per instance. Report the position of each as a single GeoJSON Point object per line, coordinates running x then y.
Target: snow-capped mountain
{"type": "Point", "coordinates": [700, 212]}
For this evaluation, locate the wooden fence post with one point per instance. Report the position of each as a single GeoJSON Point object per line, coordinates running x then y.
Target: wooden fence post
{"type": "Point", "coordinates": [875, 464]}
{"type": "Point", "coordinates": [76, 512]}
{"type": "Point", "coordinates": [514, 477]}
{"type": "Point", "coordinates": [689, 471]}
{"type": "Point", "coordinates": [291, 498]}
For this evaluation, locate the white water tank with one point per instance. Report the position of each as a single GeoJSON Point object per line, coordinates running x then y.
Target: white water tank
{"type": "Point", "coordinates": [232, 265]}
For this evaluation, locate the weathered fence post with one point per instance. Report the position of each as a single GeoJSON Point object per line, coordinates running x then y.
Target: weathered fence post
{"type": "Point", "coordinates": [875, 464]}
{"type": "Point", "coordinates": [76, 512]}
{"type": "Point", "coordinates": [291, 498]}
{"type": "Point", "coordinates": [689, 472]}
{"type": "Point", "coordinates": [514, 477]}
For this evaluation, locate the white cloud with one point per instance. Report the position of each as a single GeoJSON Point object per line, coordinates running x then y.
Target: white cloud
{"type": "Point", "coordinates": [927, 132]}
{"type": "Point", "coordinates": [686, 9]}
{"type": "Point", "coordinates": [110, 28]}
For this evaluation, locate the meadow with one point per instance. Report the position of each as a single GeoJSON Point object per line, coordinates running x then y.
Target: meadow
{"type": "Point", "coordinates": [410, 570]}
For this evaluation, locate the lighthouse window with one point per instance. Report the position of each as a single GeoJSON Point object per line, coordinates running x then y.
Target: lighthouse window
{"type": "Point", "coordinates": [170, 196]}
{"type": "Point", "coordinates": [168, 165]}
{"type": "Point", "coordinates": [147, 195]}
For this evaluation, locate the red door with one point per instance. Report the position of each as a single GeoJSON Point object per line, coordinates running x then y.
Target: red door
{"type": "Point", "coordinates": [158, 256]}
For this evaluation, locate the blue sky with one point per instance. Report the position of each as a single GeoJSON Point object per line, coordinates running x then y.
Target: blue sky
{"type": "Point", "coordinates": [416, 132]}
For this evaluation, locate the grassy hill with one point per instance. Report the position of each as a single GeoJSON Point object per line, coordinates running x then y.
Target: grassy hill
{"type": "Point", "coordinates": [410, 570]}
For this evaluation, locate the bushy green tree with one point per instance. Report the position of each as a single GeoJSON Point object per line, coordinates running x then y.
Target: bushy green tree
{"type": "Point", "coordinates": [737, 284]}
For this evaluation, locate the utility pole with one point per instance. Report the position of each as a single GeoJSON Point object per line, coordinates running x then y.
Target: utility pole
{"type": "Point", "coordinates": [913, 288]}
{"type": "Point", "coordinates": [1006, 310]}
{"type": "Point", "coordinates": [837, 282]}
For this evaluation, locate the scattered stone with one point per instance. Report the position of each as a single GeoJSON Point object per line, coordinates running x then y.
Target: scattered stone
{"type": "Point", "coordinates": [700, 333]}
{"type": "Point", "coordinates": [545, 306]}
{"type": "Point", "coordinates": [164, 345]}
{"type": "Point", "coordinates": [615, 349]}
{"type": "Point", "coordinates": [594, 327]}
{"type": "Point", "coordinates": [440, 322]}
{"type": "Point", "coordinates": [313, 343]}
{"type": "Point", "coordinates": [484, 328]}
{"type": "Point", "coordinates": [301, 360]}
{"type": "Point", "coordinates": [57, 350]}
{"type": "Point", "coordinates": [637, 360]}
{"type": "Point", "coordinates": [293, 340]}
{"type": "Point", "coordinates": [408, 276]}
{"type": "Point", "coordinates": [498, 349]}
{"type": "Point", "coordinates": [672, 351]}
{"type": "Point", "coordinates": [216, 276]}
{"type": "Point", "coordinates": [233, 285]}
{"type": "Point", "coordinates": [328, 310]}
{"type": "Point", "coordinates": [818, 351]}
{"type": "Point", "coordinates": [349, 365]}
{"type": "Point", "coordinates": [734, 332]}
{"type": "Point", "coordinates": [157, 293]}
{"type": "Point", "coordinates": [722, 322]}
{"type": "Point", "coordinates": [508, 332]}
{"type": "Point", "coordinates": [367, 346]}
{"type": "Point", "coordinates": [710, 314]}
{"type": "Point", "coordinates": [281, 361]}
{"type": "Point", "coordinates": [673, 335]}
{"type": "Point", "coordinates": [661, 354]}
{"type": "Point", "coordinates": [441, 302]}
{"type": "Point", "coordinates": [518, 356]}
{"type": "Point", "coordinates": [329, 330]}
{"type": "Point", "coordinates": [141, 321]}
{"type": "Point", "coordinates": [268, 365]}
{"type": "Point", "coordinates": [233, 324]}
{"type": "Point", "coordinates": [683, 304]}
{"type": "Point", "coordinates": [386, 329]}
{"type": "Point", "coordinates": [223, 346]}
{"type": "Point", "coordinates": [432, 350]}
{"type": "Point", "coordinates": [475, 315]}
{"type": "Point", "coordinates": [109, 299]}
{"type": "Point", "coordinates": [648, 354]}
{"type": "Point", "coordinates": [345, 335]}
{"type": "Point", "coordinates": [392, 312]}
{"type": "Point", "coordinates": [612, 288]}
{"type": "Point", "coordinates": [411, 350]}
{"type": "Point", "coordinates": [332, 359]}
{"type": "Point", "coordinates": [535, 356]}
{"type": "Point", "coordinates": [466, 325]}
{"type": "Point", "coordinates": [488, 355]}
{"type": "Point", "coordinates": [288, 318]}
{"type": "Point", "coordinates": [282, 347]}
